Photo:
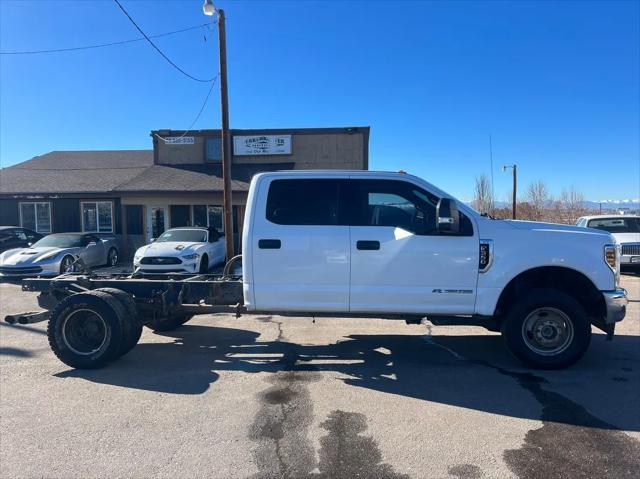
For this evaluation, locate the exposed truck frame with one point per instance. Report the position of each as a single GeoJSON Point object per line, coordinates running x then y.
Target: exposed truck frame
{"type": "Point", "coordinates": [160, 301]}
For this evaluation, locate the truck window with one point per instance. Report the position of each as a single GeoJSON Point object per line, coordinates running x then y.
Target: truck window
{"type": "Point", "coordinates": [397, 204]}
{"type": "Point", "coordinates": [303, 202]}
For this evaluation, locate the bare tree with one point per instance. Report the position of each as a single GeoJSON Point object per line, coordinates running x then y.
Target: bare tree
{"type": "Point", "coordinates": [571, 205]}
{"type": "Point", "coordinates": [482, 195]}
{"type": "Point", "coordinates": [538, 198]}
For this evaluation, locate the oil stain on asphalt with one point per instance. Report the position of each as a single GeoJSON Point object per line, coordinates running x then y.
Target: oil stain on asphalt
{"type": "Point", "coordinates": [281, 426]}
{"type": "Point", "coordinates": [571, 442]}
{"type": "Point", "coordinates": [465, 471]}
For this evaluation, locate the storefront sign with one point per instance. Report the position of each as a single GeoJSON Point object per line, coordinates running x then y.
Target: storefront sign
{"type": "Point", "coordinates": [180, 140]}
{"type": "Point", "coordinates": [262, 145]}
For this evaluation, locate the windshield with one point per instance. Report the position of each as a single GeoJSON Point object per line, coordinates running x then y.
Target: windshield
{"type": "Point", "coordinates": [59, 241]}
{"type": "Point", "coordinates": [190, 236]}
{"type": "Point", "coordinates": [616, 225]}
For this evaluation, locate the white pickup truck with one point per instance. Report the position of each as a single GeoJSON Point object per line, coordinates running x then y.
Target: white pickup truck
{"type": "Point", "coordinates": [365, 244]}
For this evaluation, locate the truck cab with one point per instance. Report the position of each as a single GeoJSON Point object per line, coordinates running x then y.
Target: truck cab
{"type": "Point", "coordinates": [392, 244]}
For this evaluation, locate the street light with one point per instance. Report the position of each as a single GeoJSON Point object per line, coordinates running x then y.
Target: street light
{"type": "Point", "coordinates": [209, 9]}
{"type": "Point", "coordinates": [515, 183]}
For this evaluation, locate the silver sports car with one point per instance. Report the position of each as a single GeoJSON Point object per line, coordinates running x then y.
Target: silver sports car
{"type": "Point", "coordinates": [56, 254]}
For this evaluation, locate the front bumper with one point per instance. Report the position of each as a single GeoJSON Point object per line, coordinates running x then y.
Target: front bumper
{"type": "Point", "coordinates": [616, 302]}
{"type": "Point", "coordinates": [630, 260]}
{"type": "Point", "coordinates": [187, 266]}
{"type": "Point", "coordinates": [39, 269]}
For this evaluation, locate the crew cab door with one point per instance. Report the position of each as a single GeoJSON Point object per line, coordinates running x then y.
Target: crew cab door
{"type": "Point", "coordinates": [400, 262]}
{"type": "Point", "coordinates": [300, 246]}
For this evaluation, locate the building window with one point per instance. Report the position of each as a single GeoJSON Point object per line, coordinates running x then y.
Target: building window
{"type": "Point", "coordinates": [36, 216]}
{"type": "Point", "coordinates": [214, 214]}
{"type": "Point", "coordinates": [208, 215]}
{"type": "Point", "coordinates": [213, 147]}
{"type": "Point", "coordinates": [97, 216]}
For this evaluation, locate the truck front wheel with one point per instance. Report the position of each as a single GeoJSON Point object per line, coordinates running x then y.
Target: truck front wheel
{"type": "Point", "coordinates": [547, 329]}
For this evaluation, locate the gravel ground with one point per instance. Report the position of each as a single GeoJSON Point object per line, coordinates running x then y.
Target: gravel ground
{"type": "Point", "coordinates": [271, 397]}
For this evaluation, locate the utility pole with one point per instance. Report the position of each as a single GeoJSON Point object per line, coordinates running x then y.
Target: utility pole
{"type": "Point", "coordinates": [227, 207]}
{"type": "Point", "coordinates": [515, 188]}
{"type": "Point", "coordinates": [493, 198]}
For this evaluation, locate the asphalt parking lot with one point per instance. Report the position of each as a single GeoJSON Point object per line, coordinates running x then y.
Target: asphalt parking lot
{"type": "Point", "coordinates": [271, 397]}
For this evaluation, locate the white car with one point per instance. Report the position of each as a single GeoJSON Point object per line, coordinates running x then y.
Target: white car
{"type": "Point", "coordinates": [181, 250]}
{"type": "Point", "coordinates": [625, 229]}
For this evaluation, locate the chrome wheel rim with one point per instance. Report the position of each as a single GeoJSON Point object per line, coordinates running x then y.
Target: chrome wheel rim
{"type": "Point", "coordinates": [113, 257]}
{"type": "Point", "coordinates": [547, 331]}
{"type": "Point", "coordinates": [84, 332]}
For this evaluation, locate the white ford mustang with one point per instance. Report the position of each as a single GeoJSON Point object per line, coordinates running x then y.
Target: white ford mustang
{"type": "Point", "coordinates": [181, 250]}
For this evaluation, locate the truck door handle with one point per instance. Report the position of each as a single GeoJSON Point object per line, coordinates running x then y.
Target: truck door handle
{"type": "Point", "coordinates": [269, 244]}
{"type": "Point", "coordinates": [368, 245]}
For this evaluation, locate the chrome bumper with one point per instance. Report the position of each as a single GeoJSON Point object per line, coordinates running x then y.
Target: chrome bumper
{"type": "Point", "coordinates": [616, 302]}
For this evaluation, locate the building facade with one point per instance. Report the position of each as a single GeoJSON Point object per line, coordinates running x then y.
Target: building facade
{"type": "Point", "coordinates": [137, 194]}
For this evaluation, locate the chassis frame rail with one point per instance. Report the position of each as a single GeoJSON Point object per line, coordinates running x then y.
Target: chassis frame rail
{"type": "Point", "coordinates": [162, 294]}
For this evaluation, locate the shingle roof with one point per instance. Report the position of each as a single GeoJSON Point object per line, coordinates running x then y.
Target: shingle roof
{"type": "Point", "coordinates": [119, 172]}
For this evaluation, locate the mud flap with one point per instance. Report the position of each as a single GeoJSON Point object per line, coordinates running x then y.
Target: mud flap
{"type": "Point", "coordinates": [608, 328]}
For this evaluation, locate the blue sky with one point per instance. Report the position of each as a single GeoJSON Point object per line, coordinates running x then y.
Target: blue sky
{"type": "Point", "coordinates": [555, 83]}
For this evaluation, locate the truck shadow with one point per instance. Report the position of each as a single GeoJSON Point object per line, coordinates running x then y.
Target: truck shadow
{"type": "Point", "coordinates": [473, 372]}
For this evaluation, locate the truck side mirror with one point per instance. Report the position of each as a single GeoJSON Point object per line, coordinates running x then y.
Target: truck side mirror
{"type": "Point", "coordinates": [447, 216]}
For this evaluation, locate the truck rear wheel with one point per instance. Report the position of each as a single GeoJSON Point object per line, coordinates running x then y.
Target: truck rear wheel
{"type": "Point", "coordinates": [132, 326]}
{"type": "Point", "coordinates": [547, 329]}
{"type": "Point", "coordinates": [85, 330]}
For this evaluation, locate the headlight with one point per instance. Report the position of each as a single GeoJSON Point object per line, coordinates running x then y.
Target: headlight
{"type": "Point", "coordinates": [191, 256]}
{"type": "Point", "coordinates": [612, 257]}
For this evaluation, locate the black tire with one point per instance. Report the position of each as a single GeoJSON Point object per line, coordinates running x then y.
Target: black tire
{"type": "Point", "coordinates": [547, 329]}
{"type": "Point", "coordinates": [168, 324]}
{"type": "Point", "coordinates": [133, 326]}
{"type": "Point", "coordinates": [111, 261]}
{"type": "Point", "coordinates": [64, 261]}
{"type": "Point", "coordinates": [85, 330]}
{"type": "Point", "coordinates": [204, 264]}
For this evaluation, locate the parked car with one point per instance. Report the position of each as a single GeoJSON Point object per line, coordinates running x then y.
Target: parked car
{"type": "Point", "coordinates": [16, 237]}
{"type": "Point", "coordinates": [181, 250]}
{"type": "Point", "coordinates": [625, 229]}
{"type": "Point", "coordinates": [56, 254]}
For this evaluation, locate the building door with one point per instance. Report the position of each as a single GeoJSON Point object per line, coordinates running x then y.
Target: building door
{"type": "Point", "coordinates": [157, 221]}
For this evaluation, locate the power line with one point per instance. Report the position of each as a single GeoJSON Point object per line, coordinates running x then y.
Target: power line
{"type": "Point", "coordinates": [100, 45]}
{"type": "Point", "coordinates": [158, 49]}
{"type": "Point", "coordinates": [206, 99]}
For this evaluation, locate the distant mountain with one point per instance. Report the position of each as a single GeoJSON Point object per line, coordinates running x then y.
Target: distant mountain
{"type": "Point", "coordinates": [632, 204]}
{"type": "Point", "coordinates": [607, 205]}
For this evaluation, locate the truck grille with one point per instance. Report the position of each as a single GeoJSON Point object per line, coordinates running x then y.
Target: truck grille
{"type": "Point", "coordinates": [162, 260]}
{"type": "Point", "coordinates": [8, 270]}
{"type": "Point", "coordinates": [631, 249]}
